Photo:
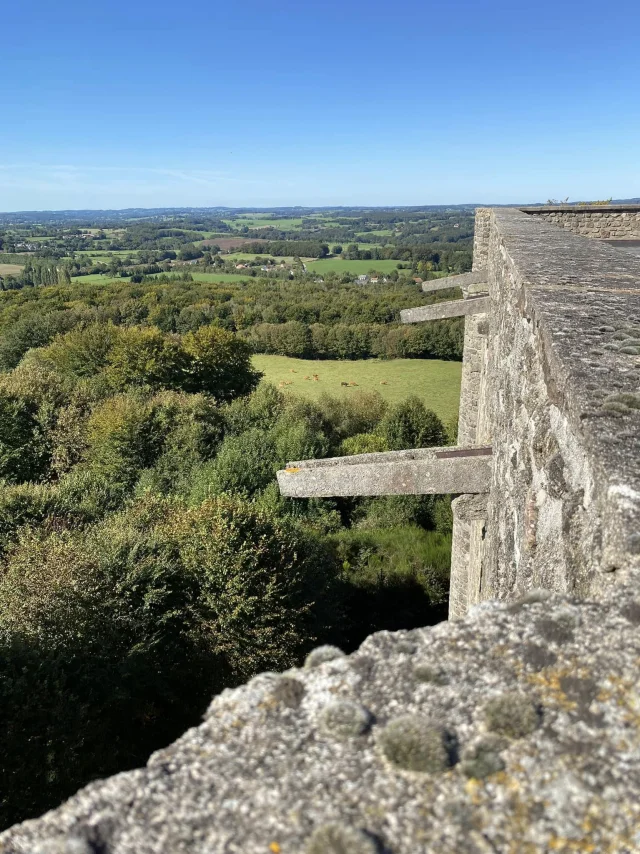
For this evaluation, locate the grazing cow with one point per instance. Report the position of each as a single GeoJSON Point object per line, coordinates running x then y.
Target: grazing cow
{"type": "Point", "coordinates": [353, 383]}
{"type": "Point", "coordinates": [306, 378]}
{"type": "Point", "coordinates": [383, 382]}
{"type": "Point", "coordinates": [292, 371]}
{"type": "Point", "coordinates": [316, 378]}
{"type": "Point", "coordinates": [347, 384]}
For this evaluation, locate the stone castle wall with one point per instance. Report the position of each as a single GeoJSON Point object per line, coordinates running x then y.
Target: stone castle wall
{"type": "Point", "coordinates": [603, 222]}
{"type": "Point", "coordinates": [558, 399]}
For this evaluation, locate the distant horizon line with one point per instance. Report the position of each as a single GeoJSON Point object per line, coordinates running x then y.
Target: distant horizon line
{"type": "Point", "coordinates": [268, 209]}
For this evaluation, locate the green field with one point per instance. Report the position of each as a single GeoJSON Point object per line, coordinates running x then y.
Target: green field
{"type": "Point", "coordinates": [10, 269]}
{"type": "Point", "coordinates": [339, 265]}
{"type": "Point", "coordinates": [99, 277]}
{"type": "Point", "coordinates": [435, 381]}
{"type": "Point", "coordinates": [257, 221]}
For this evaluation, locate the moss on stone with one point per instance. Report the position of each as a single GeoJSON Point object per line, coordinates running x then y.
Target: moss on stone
{"type": "Point", "coordinates": [424, 672]}
{"type": "Point", "coordinates": [413, 743]}
{"type": "Point", "coordinates": [511, 714]}
{"type": "Point", "coordinates": [321, 654]}
{"type": "Point", "coordinates": [340, 839]}
{"type": "Point", "coordinates": [483, 758]}
{"type": "Point", "coordinates": [344, 719]}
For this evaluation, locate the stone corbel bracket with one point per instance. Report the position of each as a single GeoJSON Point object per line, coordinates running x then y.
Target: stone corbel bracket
{"type": "Point", "coordinates": [443, 310]}
{"type": "Point", "coordinates": [422, 471]}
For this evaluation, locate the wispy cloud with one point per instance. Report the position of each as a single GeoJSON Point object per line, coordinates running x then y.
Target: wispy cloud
{"type": "Point", "coordinates": [34, 185]}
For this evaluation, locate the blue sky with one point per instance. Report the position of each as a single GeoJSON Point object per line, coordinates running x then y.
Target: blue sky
{"type": "Point", "coordinates": [144, 104]}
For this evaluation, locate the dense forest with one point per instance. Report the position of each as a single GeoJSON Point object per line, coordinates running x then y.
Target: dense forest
{"type": "Point", "coordinates": [147, 559]}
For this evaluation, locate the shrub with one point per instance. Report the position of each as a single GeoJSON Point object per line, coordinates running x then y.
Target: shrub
{"type": "Point", "coordinates": [396, 511]}
{"type": "Point", "coordinates": [363, 443]}
{"type": "Point", "coordinates": [24, 451]}
{"type": "Point", "coordinates": [219, 363]}
{"type": "Point", "coordinates": [411, 425]}
{"type": "Point", "coordinates": [83, 352]}
{"type": "Point", "coordinates": [244, 464]}
{"type": "Point", "coordinates": [123, 437]}
{"type": "Point", "coordinates": [393, 579]}
{"type": "Point", "coordinates": [113, 639]}
{"type": "Point", "coordinates": [145, 357]}
{"type": "Point", "coordinates": [260, 409]}
{"type": "Point", "coordinates": [357, 413]}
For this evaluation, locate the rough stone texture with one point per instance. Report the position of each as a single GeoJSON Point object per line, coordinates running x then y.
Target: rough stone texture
{"type": "Point", "coordinates": [467, 546]}
{"type": "Point", "coordinates": [597, 221]}
{"type": "Point", "coordinates": [442, 310]}
{"type": "Point", "coordinates": [481, 239]}
{"type": "Point", "coordinates": [466, 281]}
{"type": "Point", "coordinates": [418, 472]}
{"type": "Point", "coordinates": [562, 410]}
{"type": "Point", "coordinates": [473, 377]}
{"type": "Point", "coordinates": [537, 706]}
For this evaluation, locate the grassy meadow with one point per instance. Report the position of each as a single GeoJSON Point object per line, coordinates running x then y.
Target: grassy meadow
{"type": "Point", "coordinates": [340, 265]}
{"type": "Point", "coordinates": [436, 382]}
{"type": "Point", "coordinates": [10, 269]}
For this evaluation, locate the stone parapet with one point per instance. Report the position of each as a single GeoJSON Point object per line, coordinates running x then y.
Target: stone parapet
{"type": "Point", "coordinates": [481, 239]}
{"type": "Point", "coordinates": [602, 222]}
{"type": "Point", "coordinates": [562, 407]}
{"type": "Point", "coordinates": [513, 730]}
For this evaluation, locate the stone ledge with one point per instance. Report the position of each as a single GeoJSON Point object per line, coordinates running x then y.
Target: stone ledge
{"type": "Point", "coordinates": [535, 209]}
{"type": "Point", "coordinates": [520, 723]}
{"type": "Point", "coordinates": [582, 298]}
{"type": "Point", "coordinates": [444, 310]}
{"type": "Point", "coordinates": [419, 472]}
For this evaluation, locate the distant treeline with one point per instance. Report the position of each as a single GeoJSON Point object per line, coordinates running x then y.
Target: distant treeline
{"type": "Point", "coordinates": [298, 317]}
{"type": "Point", "coordinates": [442, 340]}
{"type": "Point", "coordinates": [301, 248]}
{"type": "Point", "coordinates": [443, 255]}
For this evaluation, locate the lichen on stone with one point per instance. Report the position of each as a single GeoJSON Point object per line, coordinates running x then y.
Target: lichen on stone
{"type": "Point", "coordinates": [511, 714]}
{"type": "Point", "coordinates": [287, 691]}
{"type": "Point", "coordinates": [340, 839]}
{"type": "Point", "coordinates": [321, 654]}
{"type": "Point", "coordinates": [424, 672]}
{"type": "Point", "coordinates": [344, 719]}
{"type": "Point", "coordinates": [483, 758]}
{"type": "Point", "coordinates": [413, 743]}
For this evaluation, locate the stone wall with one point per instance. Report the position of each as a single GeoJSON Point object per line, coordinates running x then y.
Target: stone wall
{"type": "Point", "coordinates": [559, 400]}
{"type": "Point", "coordinates": [605, 222]}
{"type": "Point", "coordinates": [481, 238]}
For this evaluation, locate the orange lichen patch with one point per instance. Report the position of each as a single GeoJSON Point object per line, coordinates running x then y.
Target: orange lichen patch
{"type": "Point", "coordinates": [547, 682]}
{"type": "Point", "coordinates": [275, 848]}
{"type": "Point", "coordinates": [292, 470]}
{"type": "Point", "coordinates": [627, 699]}
{"type": "Point", "coordinates": [474, 788]}
{"type": "Point", "coordinates": [559, 843]}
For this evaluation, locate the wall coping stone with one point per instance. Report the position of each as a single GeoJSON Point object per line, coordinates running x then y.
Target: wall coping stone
{"type": "Point", "coordinates": [583, 298]}
{"type": "Point", "coordinates": [534, 209]}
